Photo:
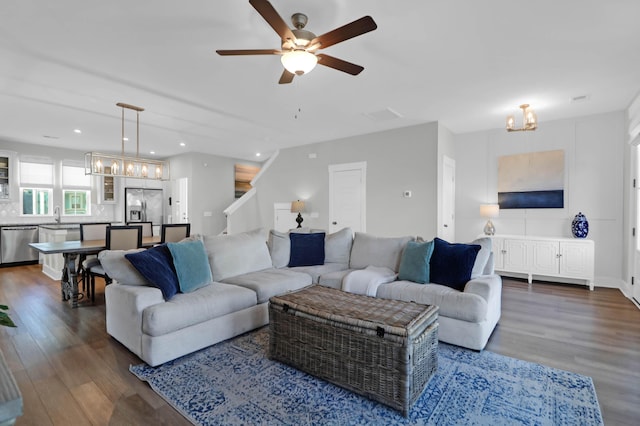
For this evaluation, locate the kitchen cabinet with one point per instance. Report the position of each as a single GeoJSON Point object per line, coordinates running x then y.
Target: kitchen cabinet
{"type": "Point", "coordinates": [6, 175]}
{"type": "Point", "coordinates": [548, 258]}
{"type": "Point", "coordinates": [107, 187]}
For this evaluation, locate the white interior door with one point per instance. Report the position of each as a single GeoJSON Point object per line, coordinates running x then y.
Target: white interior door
{"type": "Point", "coordinates": [347, 196]}
{"type": "Point", "coordinates": [447, 227]}
{"type": "Point", "coordinates": [283, 219]}
{"type": "Point", "coordinates": [180, 200]}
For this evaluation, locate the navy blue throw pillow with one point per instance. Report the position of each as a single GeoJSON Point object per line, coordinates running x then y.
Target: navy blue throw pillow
{"type": "Point", "coordinates": [451, 263]}
{"type": "Point", "coordinates": [156, 265]}
{"type": "Point", "coordinates": [306, 249]}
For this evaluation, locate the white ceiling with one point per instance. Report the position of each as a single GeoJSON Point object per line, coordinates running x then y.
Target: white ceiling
{"type": "Point", "coordinates": [65, 64]}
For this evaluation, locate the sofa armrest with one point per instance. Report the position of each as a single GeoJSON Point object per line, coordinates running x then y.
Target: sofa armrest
{"type": "Point", "coordinates": [486, 286]}
{"type": "Point", "coordinates": [124, 307]}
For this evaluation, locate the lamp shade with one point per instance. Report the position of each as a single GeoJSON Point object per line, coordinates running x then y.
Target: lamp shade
{"type": "Point", "coordinates": [489, 210]}
{"type": "Point", "coordinates": [297, 206]}
{"type": "Point", "coordinates": [299, 61]}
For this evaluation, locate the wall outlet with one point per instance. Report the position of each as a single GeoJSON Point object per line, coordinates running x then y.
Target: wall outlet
{"type": "Point", "coordinates": [314, 215]}
{"type": "Point", "coordinates": [312, 155]}
{"type": "Point", "coordinates": [208, 214]}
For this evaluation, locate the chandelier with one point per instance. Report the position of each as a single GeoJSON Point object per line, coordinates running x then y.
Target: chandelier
{"type": "Point", "coordinates": [100, 164]}
{"type": "Point", "coordinates": [529, 120]}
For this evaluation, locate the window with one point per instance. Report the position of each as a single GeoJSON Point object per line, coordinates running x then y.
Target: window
{"type": "Point", "coordinates": [36, 201]}
{"type": "Point", "coordinates": [76, 203]}
{"type": "Point", "coordinates": [36, 187]}
{"type": "Point", "coordinates": [76, 192]}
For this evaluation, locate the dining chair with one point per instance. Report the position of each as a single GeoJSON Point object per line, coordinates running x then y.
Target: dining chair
{"type": "Point", "coordinates": [117, 238]}
{"type": "Point", "coordinates": [90, 231]}
{"type": "Point", "coordinates": [147, 228]}
{"type": "Point", "coordinates": [174, 232]}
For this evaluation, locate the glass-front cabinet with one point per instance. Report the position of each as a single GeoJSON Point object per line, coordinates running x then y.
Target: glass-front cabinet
{"type": "Point", "coordinates": [108, 195]}
{"type": "Point", "coordinates": [107, 187]}
{"type": "Point", "coordinates": [6, 169]}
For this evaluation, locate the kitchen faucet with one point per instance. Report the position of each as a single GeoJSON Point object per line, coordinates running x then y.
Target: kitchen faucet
{"type": "Point", "coordinates": [56, 213]}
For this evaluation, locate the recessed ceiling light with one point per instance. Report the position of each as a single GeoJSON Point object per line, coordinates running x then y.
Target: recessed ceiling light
{"type": "Point", "coordinates": [125, 139]}
{"type": "Point", "coordinates": [78, 131]}
{"type": "Point", "coordinates": [183, 144]}
{"type": "Point", "coordinates": [152, 152]}
{"type": "Point", "coordinates": [258, 154]}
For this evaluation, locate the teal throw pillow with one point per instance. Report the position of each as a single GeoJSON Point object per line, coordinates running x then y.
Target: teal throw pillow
{"type": "Point", "coordinates": [192, 265]}
{"type": "Point", "coordinates": [414, 264]}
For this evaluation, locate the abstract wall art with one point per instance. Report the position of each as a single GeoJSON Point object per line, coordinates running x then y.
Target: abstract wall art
{"type": "Point", "coordinates": [531, 181]}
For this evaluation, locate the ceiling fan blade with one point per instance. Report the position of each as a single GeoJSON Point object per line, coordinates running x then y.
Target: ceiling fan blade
{"type": "Point", "coordinates": [354, 29]}
{"type": "Point", "coordinates": [249, 52]}
{"type": "Point", "coordinates": [266, 10]}
{"type": "Point", "coordinates": [286, 77]}
{"type": "Point", "coordinates": [339, 64]}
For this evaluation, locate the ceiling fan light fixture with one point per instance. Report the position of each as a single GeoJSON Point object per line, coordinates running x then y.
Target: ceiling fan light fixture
{"type": "Point", "coordinates": [299, 61]}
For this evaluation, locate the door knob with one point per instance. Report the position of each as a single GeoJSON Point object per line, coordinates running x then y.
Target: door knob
{"type": "Point", "coordinates": [334, 223]}
{"type": "Point", "coordinates": [446, 226]}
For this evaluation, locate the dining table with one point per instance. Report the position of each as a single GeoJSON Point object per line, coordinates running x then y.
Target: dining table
{"type": "Point", "coordinates": [73, 250]}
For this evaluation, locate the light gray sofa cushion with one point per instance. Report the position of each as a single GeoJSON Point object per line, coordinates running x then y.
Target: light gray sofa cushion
{"type": "Point", "coordinates": [187, 309]}
{"type": "Point", "coordinates": [271, 282]}
{"type": "Point", "coordinates": [452, 303]}
{"type": "Point", "coordinates": [119, 268]}
{"type": "Point", "coordinates": [279, 248]}
{"type": "Point", "coordinates": [337, 246]}
{"type": "Point", "coordinates": [318, 271]}
{"type": "Point", "coordinates": [236, 254]}
{"type": "Point", "coordinates": [334, 279]}
{"type": "Point", "coordinates": [377, 251]}
{"type": "Point", "coordinates": [482, 257]}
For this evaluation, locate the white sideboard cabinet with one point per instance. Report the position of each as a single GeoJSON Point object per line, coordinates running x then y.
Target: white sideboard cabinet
{"type": "Point", "coordinates": [545, 257]}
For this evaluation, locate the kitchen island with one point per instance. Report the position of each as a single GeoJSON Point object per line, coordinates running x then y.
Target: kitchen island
{"type": "Point", "coordinates": [52, 264]}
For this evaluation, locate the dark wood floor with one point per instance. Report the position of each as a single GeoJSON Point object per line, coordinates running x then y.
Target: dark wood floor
{"type": "Point", "coordinates": [71, 372]}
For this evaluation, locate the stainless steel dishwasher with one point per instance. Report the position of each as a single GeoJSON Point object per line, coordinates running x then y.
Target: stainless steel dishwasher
{"type": "Point", "coordinates": [14, 243]}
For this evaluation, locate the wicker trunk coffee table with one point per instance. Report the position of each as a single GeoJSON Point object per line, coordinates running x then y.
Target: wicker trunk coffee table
{"type": "Point", "coordinates": [386, 350]}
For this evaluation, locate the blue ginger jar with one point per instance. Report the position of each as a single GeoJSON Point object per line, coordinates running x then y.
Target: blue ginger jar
{"type": "Point", "coordinates": [580, 226]}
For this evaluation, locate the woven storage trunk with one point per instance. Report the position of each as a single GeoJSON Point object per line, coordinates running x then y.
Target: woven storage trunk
{"type": "Point", "coordinates": [383, 349]}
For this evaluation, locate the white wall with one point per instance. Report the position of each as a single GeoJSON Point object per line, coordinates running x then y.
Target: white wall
{"type": "Point", "coordinates": [397, 160]}
{"type": "Point", "coordinates": [594, 149]}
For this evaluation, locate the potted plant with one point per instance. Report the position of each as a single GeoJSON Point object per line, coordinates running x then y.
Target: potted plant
{"type": "Point", "coordinates": [4, 317]}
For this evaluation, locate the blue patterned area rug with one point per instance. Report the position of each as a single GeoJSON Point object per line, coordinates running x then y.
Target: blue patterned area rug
{"type": "Point", "coordinates": [233, 382]}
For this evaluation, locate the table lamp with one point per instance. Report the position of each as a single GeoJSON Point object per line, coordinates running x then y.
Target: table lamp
{"type": "Point", "coordinates": [489, 211]}
{"type": "Point", "coordinates": [297, 207]}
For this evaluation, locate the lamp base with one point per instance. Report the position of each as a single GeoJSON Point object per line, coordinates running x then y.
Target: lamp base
{"type": "Point", "coordinates": [489, 229]}
{"type": "Point", "coordinates": [299, 219]}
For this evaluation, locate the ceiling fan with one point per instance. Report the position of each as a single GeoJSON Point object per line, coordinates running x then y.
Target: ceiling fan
{"type": "Point", "coordinates": [299, 46]}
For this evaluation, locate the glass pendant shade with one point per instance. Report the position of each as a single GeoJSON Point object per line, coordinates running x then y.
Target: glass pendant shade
{"type": "Point", "coordinates": [299, 61]}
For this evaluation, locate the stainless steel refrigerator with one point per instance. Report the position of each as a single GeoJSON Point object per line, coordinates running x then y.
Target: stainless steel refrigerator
{"type": "Point", "coordinates": [143, 205]}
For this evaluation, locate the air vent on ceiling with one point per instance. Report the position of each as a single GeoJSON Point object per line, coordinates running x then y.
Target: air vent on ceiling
{"type": "Point", "coordinates": [581, 98]}
{"type": "Point", "coordinates": [50, 137]}
{"type": "Point", "coordinates": [383, 115]}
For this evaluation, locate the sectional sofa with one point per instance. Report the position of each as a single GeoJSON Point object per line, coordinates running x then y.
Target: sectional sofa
{"type": "Point", "coordinates": [247, 269]}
